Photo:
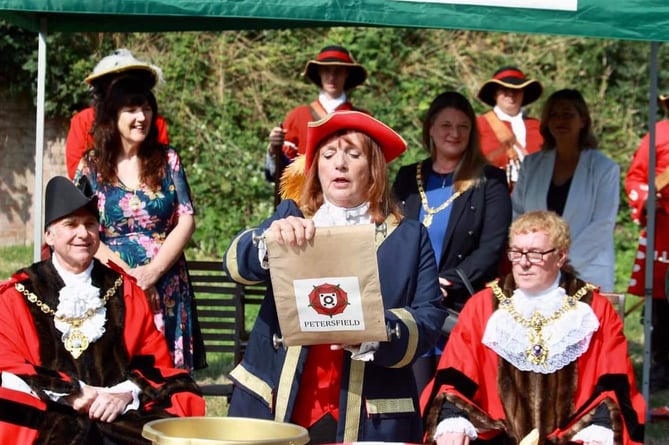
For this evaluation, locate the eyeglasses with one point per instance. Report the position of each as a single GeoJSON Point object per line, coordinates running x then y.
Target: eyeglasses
{"type": "Point", "coordinates": [532, 256]}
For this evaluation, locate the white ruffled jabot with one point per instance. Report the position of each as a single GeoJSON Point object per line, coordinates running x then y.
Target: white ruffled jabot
{"type": "Point", "coordinates": [329, 215]}
{"type": "Point", "coordinates": [76, 298]}
{"type": "Point", "coordinates": [564, 339]}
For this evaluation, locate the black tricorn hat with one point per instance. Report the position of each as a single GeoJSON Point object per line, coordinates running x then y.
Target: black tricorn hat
{"type": "Point", "coordinates": [335, 55]}
{"type": "Point", "coordinates": [510, 77]}
{"type": "Point", "coordinates": [63, 198]}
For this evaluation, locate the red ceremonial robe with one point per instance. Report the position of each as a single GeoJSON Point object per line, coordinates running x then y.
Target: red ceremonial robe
{"type": "Point", "coordinates": [130, 349]}
{"type": "Point", "coordinates": [500, 399]}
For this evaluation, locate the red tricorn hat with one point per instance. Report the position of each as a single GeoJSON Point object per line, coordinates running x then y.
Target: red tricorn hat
{"type": "Point", "coordinates": [390, 142]}
{"type": "Point", "coordinates": [510, 77]}
{"type": "Point", "coordinates": [335, 55]}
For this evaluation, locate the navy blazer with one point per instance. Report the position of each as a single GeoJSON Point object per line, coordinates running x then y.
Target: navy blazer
{"type": "Point", "coordinates": [477, 230]}
{"type": "Point", "coordinates": [267, 380]}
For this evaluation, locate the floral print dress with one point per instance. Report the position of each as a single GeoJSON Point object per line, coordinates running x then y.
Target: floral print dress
{"type": "Point", "coordinates": [134, 223]}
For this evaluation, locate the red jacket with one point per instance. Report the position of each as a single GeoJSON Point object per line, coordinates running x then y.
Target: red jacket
{"type": "Point", "coordinates": [295, 125]}
{"type": "Point", "coordinates": [490, 145]}
{"type": "Point", "coordinates": [636, 186]}
{"type": "Point", "coordinates": [80, 140]}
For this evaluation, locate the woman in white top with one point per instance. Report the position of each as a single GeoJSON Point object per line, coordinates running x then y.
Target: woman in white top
{"type": "Point", "coordinates": [577, 181]}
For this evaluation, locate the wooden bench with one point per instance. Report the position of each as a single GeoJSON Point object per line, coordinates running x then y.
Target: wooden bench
{"type": "Point", "coordinates": [618, 301]}
{"type": "Point", "coordinates": [221, 310]}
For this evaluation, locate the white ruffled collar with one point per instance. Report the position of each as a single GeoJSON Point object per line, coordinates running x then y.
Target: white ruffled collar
{"type": "Point", "coordinates": [564, 339]}
{"type": "Point", "coordinates": [330, 215]}
{"type": "Point", "coordinates": [69, 277]}
{"type": "Point", "coordinates": [75, 299]}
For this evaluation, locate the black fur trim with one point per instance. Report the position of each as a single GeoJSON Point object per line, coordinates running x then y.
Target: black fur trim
{"type": "Point", "coordinates": [20, 414]}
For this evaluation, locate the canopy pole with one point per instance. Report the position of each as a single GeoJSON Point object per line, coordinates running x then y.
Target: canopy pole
{"type": "Point", "coordinates": [650, 226]}
{"type": "Point", "coordinates": [39, 141]}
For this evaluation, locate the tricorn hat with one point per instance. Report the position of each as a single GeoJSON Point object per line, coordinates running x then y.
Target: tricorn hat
{"type": "Point", "coordinates": [510, 77]}
{"type": "Point", "coordinates": [122, 61]}
{"type": "Point", "coordinates": [390, 142]}
{"type": "Point", "coordinates": [62, 198]}
{"type": "Point", "coordinates": [335, 55]}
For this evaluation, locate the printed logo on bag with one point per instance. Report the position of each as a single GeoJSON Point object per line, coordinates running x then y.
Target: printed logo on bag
{"type": "Point", "coordinates": [323, 306]}
{"type": "Point", "coordinates": [328, 299]}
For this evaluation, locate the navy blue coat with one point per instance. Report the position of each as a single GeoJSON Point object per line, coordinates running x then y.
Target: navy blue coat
{"type": "Point", "coordinates": [477, 230]}
{"type": "Point", "coordinates": [378, 399]}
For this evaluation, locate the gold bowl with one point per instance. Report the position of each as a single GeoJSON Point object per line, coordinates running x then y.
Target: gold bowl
{"type": "Point", "coordinates": [223, 431]}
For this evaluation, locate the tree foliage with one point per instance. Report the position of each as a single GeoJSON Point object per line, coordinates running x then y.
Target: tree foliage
{"type": "Point", "coordinates": [225, 90]}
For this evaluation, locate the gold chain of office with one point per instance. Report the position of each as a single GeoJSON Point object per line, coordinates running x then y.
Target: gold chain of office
{"type": "Point", "coordinates": [537, 353]}
{"type": "Point", "coordinates": [430, 211]}
{"type": "Point", "coordinates": [76, 341]}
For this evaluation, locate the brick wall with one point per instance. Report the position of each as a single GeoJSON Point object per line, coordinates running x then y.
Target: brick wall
{"type": "Point", "coordinates": [17, 165]}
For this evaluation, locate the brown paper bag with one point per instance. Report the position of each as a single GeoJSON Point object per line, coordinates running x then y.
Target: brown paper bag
{"type": "Point", "coordinates": [328, 290]}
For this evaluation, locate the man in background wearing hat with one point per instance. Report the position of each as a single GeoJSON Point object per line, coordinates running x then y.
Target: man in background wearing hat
{"type": "Point", "coordinates": [506, 135]}
{"type": "Point", "coordinates": [81, 361]}
{"type": "Point", "coordinates": [636, 186]}
{"type": "Point", "coordinates": [120, 63]}
{"type": "Point", "coordinates": [335, 72]}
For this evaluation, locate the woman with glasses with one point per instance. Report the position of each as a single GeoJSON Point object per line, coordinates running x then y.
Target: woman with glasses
{"type": "Point", "coordinates": [575, 180]}
{"type": "Point", "coordinates": [538, 357]}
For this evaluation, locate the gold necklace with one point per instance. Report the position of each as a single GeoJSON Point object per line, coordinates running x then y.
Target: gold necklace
{"type": "Point", "coordinates": [430, 211]}
{"type": "Point", "coordinates": [537, 353]}
{"type": "Point", "coordinates": [134, 202]}
{"type": "Point", "coordinates": [76, 342]}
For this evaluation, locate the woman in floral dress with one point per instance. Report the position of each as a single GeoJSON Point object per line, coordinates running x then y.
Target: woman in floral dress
{"type": "Point", "coordinates": [146, 213]}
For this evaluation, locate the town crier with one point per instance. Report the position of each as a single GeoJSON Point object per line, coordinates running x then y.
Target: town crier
{"type": "Point", "coordinates": [507, 135]}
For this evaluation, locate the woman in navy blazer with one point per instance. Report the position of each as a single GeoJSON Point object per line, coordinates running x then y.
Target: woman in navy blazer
{"type": "Point", "coordinates": [578, 182]}
{"type": "Point", "coordinates": [463, 202]}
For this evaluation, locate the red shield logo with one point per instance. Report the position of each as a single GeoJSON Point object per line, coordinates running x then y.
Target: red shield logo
{"type": "Point", "coordinates": [328, 299]}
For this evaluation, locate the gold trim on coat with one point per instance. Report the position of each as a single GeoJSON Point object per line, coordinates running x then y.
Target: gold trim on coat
{"type": "Point", "coordinates": [412, 342]}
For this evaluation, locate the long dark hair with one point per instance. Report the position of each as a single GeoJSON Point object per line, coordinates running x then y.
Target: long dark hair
{"type": "Point", "coordinates": [123, 92]}
{"type": "Point", "coordinates": [470, 168]}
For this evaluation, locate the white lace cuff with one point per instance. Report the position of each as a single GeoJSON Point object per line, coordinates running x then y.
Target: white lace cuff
{"type": "Point", "coordinates": [262, 251]}
{"type": "Point", "coordinates": [456, 425]}
{"type": "Point", "coordinates": [595, 433]}
{"type": "Point", "coordinates": [16, 383]}
{"type": "Point", "coordinates": [127, 386]}
{"type": "Point", "coordinates": [365, 352]}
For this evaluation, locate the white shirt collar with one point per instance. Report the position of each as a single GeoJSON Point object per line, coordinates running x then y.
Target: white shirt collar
{"type": "Point", "coordinates": [331, 104]}
{"type": "Point", "coordinates": [329, 215]}
{"type": "Point", "coordinates": [517, 124]}
{"type": "Point", "coordinates": [69, 277]}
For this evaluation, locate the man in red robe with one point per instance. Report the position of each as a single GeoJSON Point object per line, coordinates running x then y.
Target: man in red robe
{"type": "Point", "coordinates": [81, 361]}
{"type": "Point", "coordinates": [507, 135]}
{"type": "Point", "coordinates": [539, 357]}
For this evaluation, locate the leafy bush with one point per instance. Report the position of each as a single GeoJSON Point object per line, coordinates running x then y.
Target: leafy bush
{"type": "Point", "coordinates": [225, 90]}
